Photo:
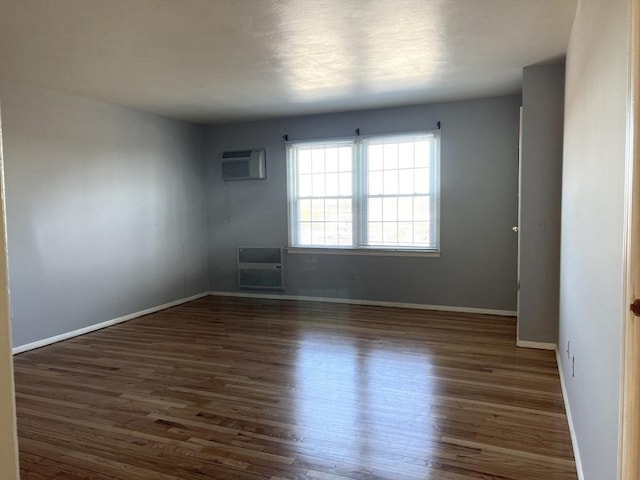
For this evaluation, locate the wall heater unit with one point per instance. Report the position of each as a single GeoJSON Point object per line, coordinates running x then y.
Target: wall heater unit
{"type": "Point", "coordinates": [260, 268]}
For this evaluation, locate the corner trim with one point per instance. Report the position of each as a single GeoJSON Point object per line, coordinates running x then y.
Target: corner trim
{"type": "Point", "coordinates": [572, 430]}
{"type": "Point", "coordinates": [375, 303]}
{"type": "Point", "coordinates": [537, 345]}
{"type": "Point", "coordinates": [99, 326]}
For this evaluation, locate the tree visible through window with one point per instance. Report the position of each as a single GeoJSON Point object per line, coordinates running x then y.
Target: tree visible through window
{"type": "Point", "coordinates": [376, 193]}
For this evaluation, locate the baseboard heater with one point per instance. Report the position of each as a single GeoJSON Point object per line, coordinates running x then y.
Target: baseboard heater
{"type": "Point", "coordinates": [260, 268]}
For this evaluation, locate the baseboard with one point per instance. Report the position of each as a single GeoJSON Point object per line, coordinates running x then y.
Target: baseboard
{"type": "Point", "coordinates": [567, 408]}
{"type": "Point", "coordinates": [108, 323]}
{"type": "Point", "coordinates": [375, 303]}
{"type": "Point", "coordinates": [537, 345]}
{"type": "Point", "coordinates": [98, 326]}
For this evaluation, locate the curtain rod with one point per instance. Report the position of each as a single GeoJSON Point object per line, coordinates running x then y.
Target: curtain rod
{"type": "Point", "coordinates": [285, 137]}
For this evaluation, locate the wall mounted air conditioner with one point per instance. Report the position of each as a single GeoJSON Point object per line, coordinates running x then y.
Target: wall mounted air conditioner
{"type": "Point", "coordinates": [244, 165]}
{"type": "Point", "coordinates": [260, 268]}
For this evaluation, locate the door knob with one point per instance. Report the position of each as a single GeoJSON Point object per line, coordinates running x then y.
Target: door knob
{"type": "Point", "coordinates": [515, 228]}
{"type": "Point", "coordinates": [635, 308]}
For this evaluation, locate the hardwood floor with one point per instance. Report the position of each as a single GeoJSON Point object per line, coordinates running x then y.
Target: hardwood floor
{"type": "Point", "coordinates": [224, 388]}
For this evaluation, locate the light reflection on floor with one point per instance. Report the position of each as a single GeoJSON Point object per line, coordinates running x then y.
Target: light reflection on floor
{"type": "Point", "coordinates": [369, 394]}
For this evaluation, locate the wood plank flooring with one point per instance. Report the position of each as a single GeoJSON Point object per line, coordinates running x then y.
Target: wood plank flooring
{"type": "Point", "coordinates": [224, 388]}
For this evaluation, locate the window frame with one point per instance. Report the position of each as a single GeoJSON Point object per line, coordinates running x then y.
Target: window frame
{"type": "Point", "coordinates": [359, 196]}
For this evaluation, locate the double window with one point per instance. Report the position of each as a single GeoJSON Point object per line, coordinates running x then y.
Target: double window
{"type": "Point", "coordinates": [365, 193]}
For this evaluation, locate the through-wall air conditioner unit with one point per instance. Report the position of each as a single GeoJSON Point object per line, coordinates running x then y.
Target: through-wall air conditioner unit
{"type": "Point", "coordinates": [260, 268]}
{"type": "Point", "coordinates": [244, 165]}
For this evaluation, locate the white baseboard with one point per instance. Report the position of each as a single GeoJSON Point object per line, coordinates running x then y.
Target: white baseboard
{"type": "Point", "coordinates": [537, 345]}
{"type": "Point", "coordinates": [98, 326]}
{"type": "Point", "coordinates": [108, 323]}
{"type": "Point", "coordinates": [375, 303]}
{"type": "Point", "coordinates": [567, 407]}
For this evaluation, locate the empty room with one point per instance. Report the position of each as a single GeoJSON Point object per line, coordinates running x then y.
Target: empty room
{"type": "Point", "coordinates": [319, 239]}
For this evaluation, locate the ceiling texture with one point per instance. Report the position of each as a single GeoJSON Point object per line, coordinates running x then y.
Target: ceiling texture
{"type": "Point", "coordinates": [213, 61]}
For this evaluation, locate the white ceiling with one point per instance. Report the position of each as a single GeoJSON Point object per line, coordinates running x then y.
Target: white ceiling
{"type": "Point", "coordinates": [224, 60]}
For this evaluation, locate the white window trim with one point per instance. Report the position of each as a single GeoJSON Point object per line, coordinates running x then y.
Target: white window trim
{"type": "Point", "coordinates": [383, 252]}
{"type": "Point", "coordinates": [292, 186]}
{"type": "Point", "coordinates": [359, 174]}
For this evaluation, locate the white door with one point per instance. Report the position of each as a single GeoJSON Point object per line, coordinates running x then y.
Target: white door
{"type": "Point", "coordinates": [8, 438]}
{"type": "Point", "coordinates": [630, 421]}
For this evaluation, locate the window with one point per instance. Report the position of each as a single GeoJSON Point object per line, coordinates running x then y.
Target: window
{"type": "Point", "coordinates": [365, 193]}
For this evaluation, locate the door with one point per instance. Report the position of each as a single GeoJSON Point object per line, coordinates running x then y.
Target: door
{"type": "Point", "coordinates": [630, 419]}
{"type": "Point", "coordinates": [8, 439]}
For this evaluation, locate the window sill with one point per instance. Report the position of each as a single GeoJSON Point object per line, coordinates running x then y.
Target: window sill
{"type": "Point", "coordinates": [376, 252]}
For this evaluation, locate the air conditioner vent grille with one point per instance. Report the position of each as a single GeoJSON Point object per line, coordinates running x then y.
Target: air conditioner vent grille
{"type": "Point", "coordinates": [235, 170]}
{"type": "Point", "coordinates": [238, 154]}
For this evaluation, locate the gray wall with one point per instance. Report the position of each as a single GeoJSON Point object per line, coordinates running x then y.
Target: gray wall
{"type": "Point", "coordinates": [540, 196]}
{"type": "Point", "coordinates": [106, 211]}
{"type": "Point", "coordinates": [479, 165]}
{"type": "Point", "coordinates": [592, 267]}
